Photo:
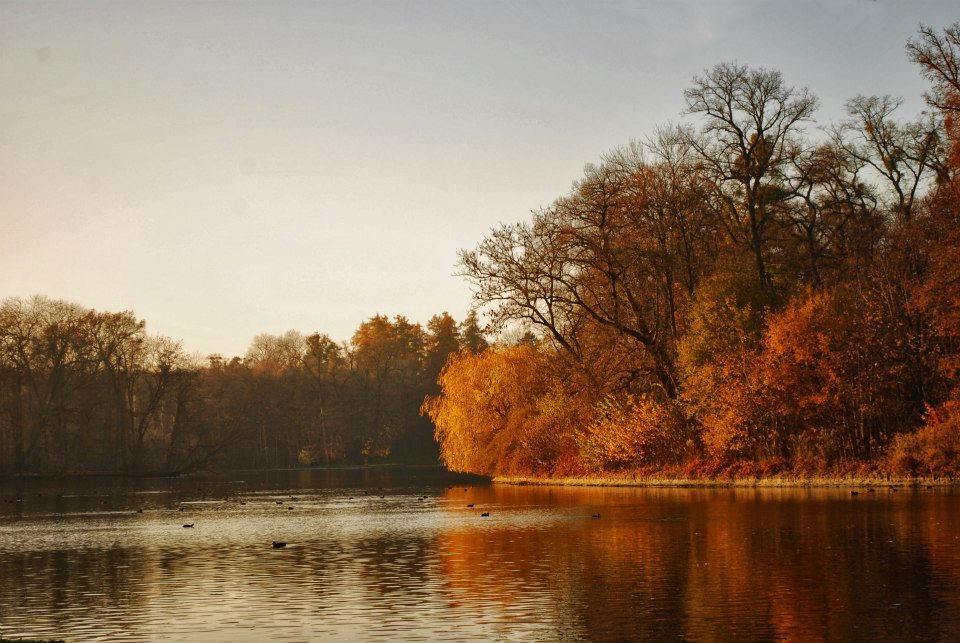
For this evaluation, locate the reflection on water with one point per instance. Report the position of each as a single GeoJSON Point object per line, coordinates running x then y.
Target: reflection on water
{"type": "Point", "coordinates": [78, 561]}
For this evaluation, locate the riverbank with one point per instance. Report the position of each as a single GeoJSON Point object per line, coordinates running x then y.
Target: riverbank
{"type": "Point", "coordinates": [631, 480]}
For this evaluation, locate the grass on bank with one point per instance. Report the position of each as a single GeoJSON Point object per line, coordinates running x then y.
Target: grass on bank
{"type": "Point", "coordinates": [778, 473]}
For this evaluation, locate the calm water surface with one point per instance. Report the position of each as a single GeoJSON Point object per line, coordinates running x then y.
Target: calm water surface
{"type": "Point", "coordinates": [77, 561]}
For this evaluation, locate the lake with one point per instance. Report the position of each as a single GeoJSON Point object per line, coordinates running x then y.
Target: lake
{"type": "Point", "coordinates": [397, 554]}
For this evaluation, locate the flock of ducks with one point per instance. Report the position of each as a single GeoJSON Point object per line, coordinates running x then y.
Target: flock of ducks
{"type": "Point", "coordinates": [894, 488]}
{"type": "Point", "coordinates": [278, 544]}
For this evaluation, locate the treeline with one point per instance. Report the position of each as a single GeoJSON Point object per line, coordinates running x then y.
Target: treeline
{"type": "Point", "coordinates": [83, 391]}
{"type": "Point", "coordinates": [747, 293]}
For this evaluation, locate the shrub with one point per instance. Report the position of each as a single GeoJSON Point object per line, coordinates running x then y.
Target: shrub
{"type": "Point", "coordinates": [934, 449]}
{"type": "Point", "coordinates": [637, 431]}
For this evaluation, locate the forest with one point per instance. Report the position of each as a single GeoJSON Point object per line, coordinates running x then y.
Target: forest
{"type": "Point", "coordinates": [83, 391]}
{"type": "Point", "coordinates": [747, 293]}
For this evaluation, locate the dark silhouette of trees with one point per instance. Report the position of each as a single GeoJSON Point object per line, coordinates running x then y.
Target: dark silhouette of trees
{"type": "Point", "coordinates": [88, 391]}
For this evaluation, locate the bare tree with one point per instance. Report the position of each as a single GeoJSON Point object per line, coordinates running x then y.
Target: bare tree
{"type": "Point", "coordinates": [901, 155]}
{"type": "Point", "coordinates": [750, 134]}
{"type": "Point", "coordinates": [835, 214]}
{"type": "Point", "coordinates": [612, 258]}
{"type": "Point", "coordinates": [939, 58]}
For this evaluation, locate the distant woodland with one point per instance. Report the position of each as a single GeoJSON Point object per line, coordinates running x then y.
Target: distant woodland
{"type": "Point", "coordinates": [83, 391]}
{"type": "Point", "coordinates": [745, 294]}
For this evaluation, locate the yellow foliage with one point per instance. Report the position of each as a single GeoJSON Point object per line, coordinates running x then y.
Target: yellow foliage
{"type": "Point", "coordinates": [717, 357]}
{"type": "Point", "coordinates": [504, 410]}
{"type": "Point", "coordinates": [639, 431]}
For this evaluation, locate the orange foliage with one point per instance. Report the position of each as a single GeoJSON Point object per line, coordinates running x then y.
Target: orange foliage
{"type": "Point", "coordinates": [835, 374]}
{"type": "Point", "coordinates": [934, 449]}
{"type": "Point", "coordinates": [505, 411]}
{"type": "Point", "coordinates": [830, 377]}
{"type": "Point", "coordinates": [717, 356]}
{"type": "Point", "coordinates": [636, 432]}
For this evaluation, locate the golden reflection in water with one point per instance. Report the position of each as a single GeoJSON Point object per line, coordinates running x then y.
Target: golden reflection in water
{"type": "Point", "coordinates": [712, 564]}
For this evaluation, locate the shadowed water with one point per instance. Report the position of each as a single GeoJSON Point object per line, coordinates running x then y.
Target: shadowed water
{"type": "Point", "coordinates": [77, 561]}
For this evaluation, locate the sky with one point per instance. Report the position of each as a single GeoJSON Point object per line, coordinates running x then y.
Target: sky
{"type": "Point", "coordinates": [225, 169]}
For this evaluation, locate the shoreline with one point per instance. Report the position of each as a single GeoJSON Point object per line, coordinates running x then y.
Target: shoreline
{"type": "Point", "coordinates": [218, 473]}
{"type": "Point", "coordinates": [717, 483]}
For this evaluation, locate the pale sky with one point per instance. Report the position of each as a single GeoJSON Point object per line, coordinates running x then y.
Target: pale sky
{"type": "Point", "coordinates": [225, 169]}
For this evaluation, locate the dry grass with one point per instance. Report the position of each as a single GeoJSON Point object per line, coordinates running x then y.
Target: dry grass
{"type": "Point", "coordinates": [647, 480]}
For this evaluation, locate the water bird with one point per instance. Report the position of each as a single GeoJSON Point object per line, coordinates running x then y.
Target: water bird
{"type": "Point", "coordinates": [595, 515]}
{"type": "Point", "coordinates": [139, 511]}
{"type": "Point", "coordinates": [190, 526]}
{"type": "Point", "coordinates": [470, 505]}
{"type": "Point", "coordinates": [485, 514]}
{"type": "Point", "coordinates": [289, 508]}
{"type": "Point", "coordinates": [279, 502]}
{"type": "Point", "coordinates": [279, 545]}
{"type": "Point", "coordinates": [854, 493]}
{"type": "Point", "coordinates": [871, 490]}
{"type": "Point", "coordinates": [181, 508]}
{"type": "Point", "coordinates": [242, 502]}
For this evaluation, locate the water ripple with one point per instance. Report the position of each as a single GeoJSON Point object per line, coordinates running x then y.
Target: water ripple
{"type": "Point", "coordinates": [418, 564]}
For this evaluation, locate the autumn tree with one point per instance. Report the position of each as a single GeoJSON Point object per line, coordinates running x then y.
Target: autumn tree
{"type": "Point", "coordinates": [505, 410]}
{"type": "Point", "coordinates": [717, 357]}
{"type": "Point", "coordinates": [443, 340]}
{"type": "Point", "coordinates": [751, 126]}
{"type": "Point", "coordinates": [325, 364]}
{"type": "Point", "coordinates": [938, 55]}
{"type": "Point", "coordinates": [834, 223]}
{"type": "Point", "coordinates": [608, 264]}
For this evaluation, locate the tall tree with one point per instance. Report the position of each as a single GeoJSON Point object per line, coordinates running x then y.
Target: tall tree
{"type": "Point", "coordinates": [750, 133]}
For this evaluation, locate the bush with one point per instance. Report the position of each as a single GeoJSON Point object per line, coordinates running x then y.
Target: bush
{"type": "Point", "coordinates": [934, 449]}
{"type": "Point", "coordinates": [637, 432]}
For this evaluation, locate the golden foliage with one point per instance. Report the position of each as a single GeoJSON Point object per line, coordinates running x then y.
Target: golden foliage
{"type": "Point", "coordinates": [934, 449]}
{"type": "Point", "coordinates": [640, 431]}
{"type": "Point", "coordinates": [717, 356]}
{"type": "Point", "coordinates": [503, 411]}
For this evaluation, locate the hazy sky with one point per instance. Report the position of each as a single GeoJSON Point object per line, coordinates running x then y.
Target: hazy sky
{"type": "Point", "coordinates": [225, 169]}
